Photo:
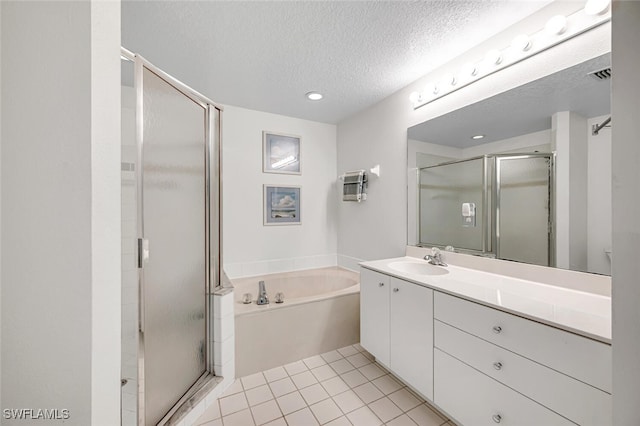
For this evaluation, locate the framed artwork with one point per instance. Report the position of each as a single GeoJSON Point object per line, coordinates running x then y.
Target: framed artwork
{"type": "Point", "coordinates": [280, 153]}
{"type": "Point", "coordinates": [281, 205]}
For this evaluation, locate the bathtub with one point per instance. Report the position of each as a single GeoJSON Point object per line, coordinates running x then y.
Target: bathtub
{"type": "Point", "coordinates": [320, 313]}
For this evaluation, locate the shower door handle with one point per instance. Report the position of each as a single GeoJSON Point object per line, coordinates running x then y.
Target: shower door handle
{"type": "Point", "coordinates": [143, 252]}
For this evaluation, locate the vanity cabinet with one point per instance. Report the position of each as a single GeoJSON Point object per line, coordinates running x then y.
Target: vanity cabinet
{"type": "Point", "coordinates": [561, 376]}
{"type": "Point", "coordinates": [374, 314]}
{"type": "Point", "coordinates": [396, 326]}
{"type": "Point", "coordinates": [481, 365]}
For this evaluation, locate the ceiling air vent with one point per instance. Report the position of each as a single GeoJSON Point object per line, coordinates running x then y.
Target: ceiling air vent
{"type": "Point", "coordinates": [604, 74]}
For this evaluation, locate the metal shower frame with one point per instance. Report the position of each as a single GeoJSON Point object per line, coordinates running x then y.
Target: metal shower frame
{"type": "Point", "coordinates": [213, 225]}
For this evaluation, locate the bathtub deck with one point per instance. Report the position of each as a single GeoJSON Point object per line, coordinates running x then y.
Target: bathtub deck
{"type": "Point", "coordinates": [343, 387]}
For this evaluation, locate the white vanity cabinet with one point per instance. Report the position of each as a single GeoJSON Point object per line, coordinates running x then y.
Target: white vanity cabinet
{"type": "Point", "coordinates": [524, 372]}
{"type": "Point", "coordinates": [374, 314]}
{"type": "Point", "coordinates": [480, 364]}
{"type": "Point", "coordinates": [396, 326]}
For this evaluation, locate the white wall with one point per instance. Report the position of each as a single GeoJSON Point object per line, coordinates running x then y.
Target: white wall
{"type": "Point", "coordinates": [1, 405]}
{"type": "Point", "coordinates": [599, 198]}
{"type": "Point", "coordinates": [250, 248]}
{"type": "Point", "coordinates": [60, 218]}
{"type": "Point", "coordinates": [570, 143]}
{"type": "Point", "coordinates": [626, 210]}
{"type": "Point", "coordinates": [378, 135]}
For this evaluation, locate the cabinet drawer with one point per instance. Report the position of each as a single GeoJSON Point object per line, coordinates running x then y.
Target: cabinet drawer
{"type": "Point", "coordinates": [584, 359]}
{"type": "Point", "coordinates": [474, 399]}
{"type": "Point", "coordinates": [565, 395]}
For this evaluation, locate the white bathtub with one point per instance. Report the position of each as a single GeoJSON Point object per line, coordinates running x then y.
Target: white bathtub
{"type": "Point", "coordinates": [320, 313]}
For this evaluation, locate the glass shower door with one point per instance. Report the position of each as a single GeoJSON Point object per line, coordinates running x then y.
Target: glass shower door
{"type": "Point", "coordinates": [172, 229]}
{"type": "Point", "coordinates": [444, 189]}
{"type": "Point", "coordinates": [523, 210]}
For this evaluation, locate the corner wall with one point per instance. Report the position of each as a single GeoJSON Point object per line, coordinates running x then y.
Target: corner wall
{"type": "Point", "coordinates": [625, 131]}
{"type": "Point", "coordinates": [377, 228]}
{"type": "Point", "coordinates": [60, 218]}
{"type": "Point", "coordinates": [250, 248]}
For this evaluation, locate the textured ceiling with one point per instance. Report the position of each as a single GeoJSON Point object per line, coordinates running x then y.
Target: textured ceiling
{"type": "Point", "coordinates": [525, 109]}
{"type": "Point", "coordinates": [266, 55]}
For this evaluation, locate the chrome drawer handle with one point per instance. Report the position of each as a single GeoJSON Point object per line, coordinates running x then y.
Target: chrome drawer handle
{"type": "Point", "coordinates": [497, 365]}
{"type": "Point", "coordinates": [380, 284]}
{"type": "Point", "coordinates": [497, 418]}
{"type": "Point", "coordinates": [497, 329]}
{"type": "Point", "coordinates": [395, 290]}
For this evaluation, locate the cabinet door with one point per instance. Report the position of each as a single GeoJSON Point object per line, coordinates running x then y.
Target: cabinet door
{"type": "Point", "coordinates": [411, 335]}
{"type": "Point", "coordinates": [374, 314]}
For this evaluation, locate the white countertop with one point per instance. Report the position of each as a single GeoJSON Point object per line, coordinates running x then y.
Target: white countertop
{"type": "Point", "coordinates": [583, 313]}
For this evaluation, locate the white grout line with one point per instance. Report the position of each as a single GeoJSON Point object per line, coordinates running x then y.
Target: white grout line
{"type": "Point", "coordinates": [333, 356]}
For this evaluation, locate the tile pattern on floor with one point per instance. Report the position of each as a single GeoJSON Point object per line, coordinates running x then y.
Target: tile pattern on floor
{"type": "Point", "coordinates": [341, 387]}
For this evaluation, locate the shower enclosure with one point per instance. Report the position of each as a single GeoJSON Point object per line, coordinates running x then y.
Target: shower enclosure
{"type": "Point", "coordinates": [494, 205]}
{"type": "Point", "coordinates": [171, 228]}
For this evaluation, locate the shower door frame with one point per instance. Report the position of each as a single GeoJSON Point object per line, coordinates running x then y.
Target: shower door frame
{"type": "Point", "coordinates": [551, 233]}
{"type": "Point", "coordinates": [213, 223]}
{"type": "Point", "coordinates": [491, 212]}
{"type": "Point", "coordinates": [487, 220]}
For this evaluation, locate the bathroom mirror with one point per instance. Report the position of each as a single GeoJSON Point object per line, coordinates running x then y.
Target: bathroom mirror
{"type": "Point", "coordinates": [521, 175]}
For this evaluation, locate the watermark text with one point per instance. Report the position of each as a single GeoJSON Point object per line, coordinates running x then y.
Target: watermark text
{"type": "Point", "coordinates": [35, 414]}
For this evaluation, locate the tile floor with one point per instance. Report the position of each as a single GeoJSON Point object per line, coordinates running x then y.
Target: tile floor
{"type": "Point", "coordinates": [342, 387]}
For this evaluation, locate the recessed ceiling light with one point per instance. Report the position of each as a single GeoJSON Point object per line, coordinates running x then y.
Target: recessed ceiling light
{"type": "Point", "coordinates": [477, 137]}
{"type": "Point", "coordinates": [314, 96]}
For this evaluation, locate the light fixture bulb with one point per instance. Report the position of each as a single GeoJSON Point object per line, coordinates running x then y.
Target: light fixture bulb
{"type": "Point", "coordinates": [431, 89]}
{"type": "Point", "coordinates": [469, 69]}
{"type": "Point", "coordinates": [314, 96]}
{"type": "Point", "coordinates": [597, 7]}
{"type": "Point", "coordinates": [476, 137]}
{"type": "Point", "coordinates": [493, 57]}
{"type": "Point", "coordinates": [450, 79]}
{"type": "Point", "coordinates": [521, 43]}
{"type": "Point", "coordinates": [556, 25]}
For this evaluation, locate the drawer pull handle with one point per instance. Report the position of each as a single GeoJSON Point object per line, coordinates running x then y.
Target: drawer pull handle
{"type": "Point", "coordinates": [497, 329]}
{"type": "Point", "coordinates": [395, 290]}
{"type": "Point", "coordinates": [380, 284]}
{"type": "Point", "coordinates": [497, 365]}
{"type": "Point", "coordinates": [497, 418]}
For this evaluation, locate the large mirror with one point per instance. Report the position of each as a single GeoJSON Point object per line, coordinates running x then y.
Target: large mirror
{"type": "Point", "coordinates": [524, 175]}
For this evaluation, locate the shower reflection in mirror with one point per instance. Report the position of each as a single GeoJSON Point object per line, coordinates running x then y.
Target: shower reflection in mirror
{"type": "Point", "coordinates": [536, 188]}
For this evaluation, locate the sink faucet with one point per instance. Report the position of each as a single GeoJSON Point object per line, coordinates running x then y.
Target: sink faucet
{"type": "Point", "coordinates": [263, 299]}
{"type": "Point", "coordinates": [435, 258]}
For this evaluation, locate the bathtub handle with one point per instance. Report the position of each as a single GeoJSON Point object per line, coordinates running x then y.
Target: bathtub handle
{"type": "Point", "coordinates": [395, 290]}
{"type": "Point", "coordinates": [380, 284]}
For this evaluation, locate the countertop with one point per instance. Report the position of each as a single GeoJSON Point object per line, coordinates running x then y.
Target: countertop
{"type": "Point", "coordinates": [579, 312]}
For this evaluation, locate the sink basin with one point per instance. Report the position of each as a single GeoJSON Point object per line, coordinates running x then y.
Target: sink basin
{"type": "Point", "coordinates": [417, 268]}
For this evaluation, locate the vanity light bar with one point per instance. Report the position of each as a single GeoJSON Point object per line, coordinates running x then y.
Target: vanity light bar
{"type": "Point", "coordinates": [557, 30]}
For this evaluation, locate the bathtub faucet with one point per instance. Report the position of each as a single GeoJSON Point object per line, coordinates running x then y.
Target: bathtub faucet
{"type": "Point", "coordinates": [263, 299]}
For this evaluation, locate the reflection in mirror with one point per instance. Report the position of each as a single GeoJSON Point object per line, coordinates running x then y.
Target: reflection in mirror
{"type": "Point", "coordinates": [535, 188]}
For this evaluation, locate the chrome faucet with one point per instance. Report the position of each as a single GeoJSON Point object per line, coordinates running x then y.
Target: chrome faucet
{"type": "Point", "coordinates": [263, 299]}
{"type": "Point", "coordinates": [435, 258]}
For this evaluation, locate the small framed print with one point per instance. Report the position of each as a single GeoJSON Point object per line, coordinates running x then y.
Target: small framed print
{"type": "Point", "coordinates": [280, 153]}
{"type": "Point", "coordinates": [281, 205]}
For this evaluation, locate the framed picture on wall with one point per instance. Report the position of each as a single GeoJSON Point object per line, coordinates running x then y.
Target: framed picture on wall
{"type": "Point", "coordinates": [281, 205]}
{"type": "Point", "coordinates": [280, 153]}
